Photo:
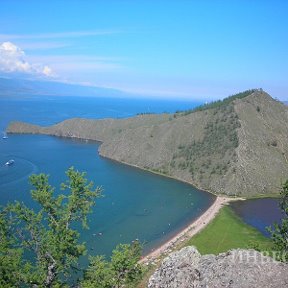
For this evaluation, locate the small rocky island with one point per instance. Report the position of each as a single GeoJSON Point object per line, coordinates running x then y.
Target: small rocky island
{"type": "Point", "coordinates": [237, 146]}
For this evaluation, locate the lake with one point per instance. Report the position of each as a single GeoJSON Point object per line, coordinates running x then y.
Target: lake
{"type": "Point", "coordinates": [136, 203]}
{"type": "Point", "coordinates": [259, 213]}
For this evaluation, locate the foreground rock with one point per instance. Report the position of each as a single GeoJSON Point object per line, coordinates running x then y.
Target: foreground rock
{"type": "Point", "coordinates": [236, 268]}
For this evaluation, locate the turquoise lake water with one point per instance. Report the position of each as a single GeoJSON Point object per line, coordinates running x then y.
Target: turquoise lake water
{"type": "Point", "coordinates": [136, 204]}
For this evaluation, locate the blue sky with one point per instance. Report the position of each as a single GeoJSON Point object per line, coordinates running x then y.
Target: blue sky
{"type": "Point", "coordinates": [187, 49]}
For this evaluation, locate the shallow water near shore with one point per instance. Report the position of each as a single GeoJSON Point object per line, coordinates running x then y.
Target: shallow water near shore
{"type": "Point", "coordinates": [136, 203]}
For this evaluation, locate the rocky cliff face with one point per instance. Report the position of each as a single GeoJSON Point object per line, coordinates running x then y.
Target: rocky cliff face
{"type": "Point", "coordinates": [237, 268]}
{"type": "Point", "coordinates": [238, 148]}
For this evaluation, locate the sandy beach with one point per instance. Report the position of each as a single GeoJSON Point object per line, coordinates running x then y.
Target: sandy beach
{"type": "Point", "coordinates": [189, 231]}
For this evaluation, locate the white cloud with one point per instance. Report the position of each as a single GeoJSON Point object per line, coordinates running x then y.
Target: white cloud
{"type": "Point", "coordinates": [12, 60]}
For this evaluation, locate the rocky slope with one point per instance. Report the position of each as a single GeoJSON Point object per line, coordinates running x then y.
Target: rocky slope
{"type": "Point", "coordinates": [237, 268]}
{"type": "Point", "coordinates": [238, 147]}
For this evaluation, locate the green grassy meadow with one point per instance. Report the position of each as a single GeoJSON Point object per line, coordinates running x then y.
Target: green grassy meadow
{"type": "Point", "coordinates": [228, 231]}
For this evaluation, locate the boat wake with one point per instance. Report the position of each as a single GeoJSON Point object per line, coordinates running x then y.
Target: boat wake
{"type": "Point", "coordinates": [15, 169]}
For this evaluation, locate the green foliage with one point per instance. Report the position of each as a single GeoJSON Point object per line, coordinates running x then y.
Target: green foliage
{"type": "Point", "coordinates": [279, 232]}
{"type": "Point", "coordinates": [123, 269]}
{"type": "Point", "coordinates": [213, 154]}
{"type": "Point", "coordinates": [219, 103]}
{"type": "Point", "coordinates": [99, 273]}
{"type": "Point", "coordinates": [41, 248]}
{"type": "Point", "coordinates": [10, 257]}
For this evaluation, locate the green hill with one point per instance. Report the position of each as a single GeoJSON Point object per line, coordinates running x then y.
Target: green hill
{"type": "Point", "coordinates": [237, 146]}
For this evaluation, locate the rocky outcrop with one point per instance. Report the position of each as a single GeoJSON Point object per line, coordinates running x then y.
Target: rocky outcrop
{"type": "Point", "coordinates": [235, 269]}
{"type": "Point", "coordinates": [236, 148]}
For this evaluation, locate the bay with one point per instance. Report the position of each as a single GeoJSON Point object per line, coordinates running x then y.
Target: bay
{"type": "Point", "coordinates": [136, 203]}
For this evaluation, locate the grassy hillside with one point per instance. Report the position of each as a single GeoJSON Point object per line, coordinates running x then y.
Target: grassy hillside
{"type": "Point", "coordinates": [235, 146]}
{"type": "Point", "coordinates": [214, 153]}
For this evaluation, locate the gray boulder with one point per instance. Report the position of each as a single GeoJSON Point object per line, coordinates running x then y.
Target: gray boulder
{"type": "Point", "coordinates": [237, 268]}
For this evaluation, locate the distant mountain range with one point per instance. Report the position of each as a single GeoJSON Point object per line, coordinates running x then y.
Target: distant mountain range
{"type": "Point", "coordinates": [236, 146]}
{"type": "Point", "coordinates": [18, 87]}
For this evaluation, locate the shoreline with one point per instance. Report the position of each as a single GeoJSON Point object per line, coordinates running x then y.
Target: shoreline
{"type": "Point", "coordinates": [192, 229]}
{"type": "Point", "coordinates": [99, 142]}
{"type": "Point", "coordinates": [163, 175]}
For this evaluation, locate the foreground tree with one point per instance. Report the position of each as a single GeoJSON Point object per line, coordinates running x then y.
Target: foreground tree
{"type": "Point", "coordinates": [41, 248]}
{"type": "Point", "coordinates": [279, 232]}
{"type": "Point", "coordinates": [11, 269]}
{"type": "Point", "coordinates": [123, 269]}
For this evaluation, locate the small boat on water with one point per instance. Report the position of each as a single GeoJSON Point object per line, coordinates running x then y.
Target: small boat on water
{"type": "Point", "coordinates": [5, 136]}
{"type": "Point", "coordinates": [10, 162]}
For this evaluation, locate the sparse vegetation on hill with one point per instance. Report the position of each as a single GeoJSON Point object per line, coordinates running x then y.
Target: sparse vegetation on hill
{"type": "Point", "coordinates": [214, 153]}
{"type": "Point", "coordinates": [235, 146]}
{"type": "Point", "coordinates": [219, 103]}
